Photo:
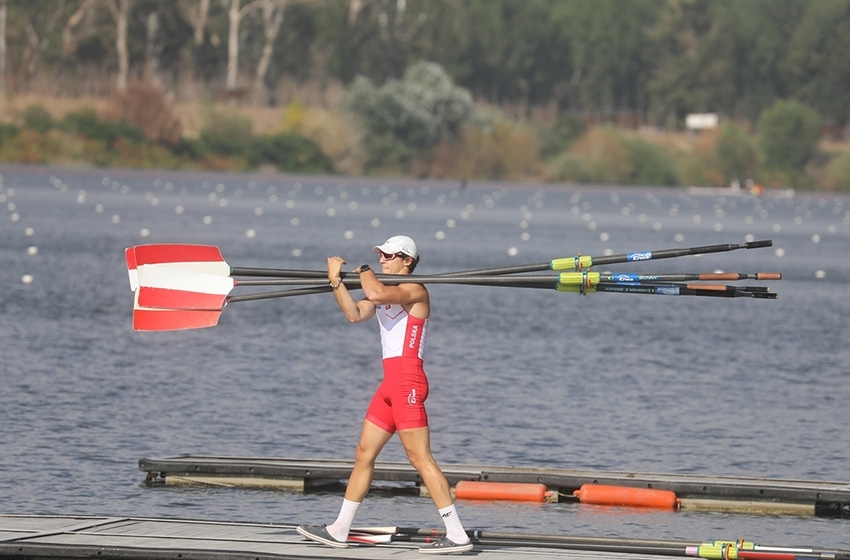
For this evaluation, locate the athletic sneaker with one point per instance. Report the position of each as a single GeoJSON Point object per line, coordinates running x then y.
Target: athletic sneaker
{"type": "Point", "coordinates": [445, 546]}
{"type": "Point", "coordinates": [319, 533]}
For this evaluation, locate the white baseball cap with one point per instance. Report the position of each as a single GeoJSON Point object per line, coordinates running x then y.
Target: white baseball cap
{"type": "Point", "coordinates": [398, 244]}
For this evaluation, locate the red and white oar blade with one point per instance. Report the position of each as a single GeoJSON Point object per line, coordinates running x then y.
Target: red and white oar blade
{"type": "Point", "coordinates": [203, 258]}
{"type": "Point", "coordinates": [130, 255]}
{"type": "Point", "coordinates": [174, 319]}
{"type": "Point", "coordinates": [369, 539]}
{"type": "Point", "coordinates": [374, 530]}
{"type": "Point", "coordinates": [164, 287]}
{"type": "Point", "coordinates": [145, 319]}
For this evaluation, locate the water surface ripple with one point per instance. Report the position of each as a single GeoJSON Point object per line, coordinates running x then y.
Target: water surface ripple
{"type": "Point", "coordinates": [519, 377]}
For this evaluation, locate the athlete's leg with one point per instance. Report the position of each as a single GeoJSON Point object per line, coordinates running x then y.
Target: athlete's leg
{"type": "Point", "coordinates": [372, 441]}
{"type": "Point", "coordinates": [417, 445]}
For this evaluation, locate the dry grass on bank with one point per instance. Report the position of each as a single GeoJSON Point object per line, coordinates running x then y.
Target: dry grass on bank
{"type": "Point", "coordinates": [510, 151]}
{"type": "Point", "coordinates": [191, 114]}
{"type": "Point", "coordinates": [336, 137]}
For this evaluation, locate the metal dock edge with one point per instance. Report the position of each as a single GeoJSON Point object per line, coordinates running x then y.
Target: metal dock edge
{"type": "Point", "coordinates": [51, 537]}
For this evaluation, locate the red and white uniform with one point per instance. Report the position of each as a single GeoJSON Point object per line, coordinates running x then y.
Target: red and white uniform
{"type": "Point", "coordinates": [399, 402]}
{"type": "Point", "coordinates": [401, 334]}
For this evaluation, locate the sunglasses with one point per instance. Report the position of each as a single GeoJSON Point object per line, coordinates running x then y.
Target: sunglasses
{"type": "Point", "coordinates": [391, 256]}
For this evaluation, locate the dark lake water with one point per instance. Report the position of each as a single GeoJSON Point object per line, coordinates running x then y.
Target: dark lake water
{"type": "Point", "coordinates": [619, 382]}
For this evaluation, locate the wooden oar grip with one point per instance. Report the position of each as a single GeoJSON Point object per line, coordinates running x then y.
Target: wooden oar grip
{"type": "Point", "coordinates": [716, 287]}
{"type": "Point", "coordinates": [768, 276]}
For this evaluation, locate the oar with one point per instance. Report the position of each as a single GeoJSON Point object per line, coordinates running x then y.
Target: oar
{"type": "Point", "coordinates": [656, 289]}
{"type": "Point", "coordinates": [743, 549]}
{"type": "Point", "coordinates": [201, 258]}
{"type": "Point", "coordinates": [562, 278]}
{"type": "Point", "coordinates": [164, 319]}
{"type": "Point", "coordinates": [177, 288]}
{"type": "Point", "coordinates": [153, 319]}
{"type": "Point", "coordinates": [564, 264]}
{"type": "Point", "coordinates": [525, 539]}
{"type": "Point", "coordinates": [208, 258]}
{"type": "Point", "coordinates": [529, 543]}
{"type": "Point", "coordinates": [674, 290]}
{"type": "Point", "coordinates": [581, 262]}
{"type": "Point", "coordinates": [159, 319]}
{"type": "Point", "coordinates": [164, 287]}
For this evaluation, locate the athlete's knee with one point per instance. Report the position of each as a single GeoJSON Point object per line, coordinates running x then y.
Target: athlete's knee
{"type": "Point", "coordinates": [365, 455]}
{"type": "Point", "coordinates": [421, 459]}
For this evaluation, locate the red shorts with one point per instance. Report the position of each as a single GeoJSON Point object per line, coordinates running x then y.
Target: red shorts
{"type": "Point", "coordinates": [399, 402]}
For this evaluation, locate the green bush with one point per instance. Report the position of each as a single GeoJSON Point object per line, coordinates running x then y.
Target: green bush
{"type": "Point", "coordinates": [649, 164]}
{"type": "Point", "coordinates": [691, 170]}
{"type": "Point", "coordinates": [227, 134]}
{"type": "Point", "coordinates": [290, 152]}
{"type": "Point", "coordinates": [604, 155]}
{"type": "Point", "coordinates": [384, 151]}
{"type": "Point", "coordinates": [8, 132]}
{"type": "Point", "coordinates": [85, 122]}
{"type": "Point", "coordinates": [420, 110]}
{"type": "Point", "coordinates": [37, 118]}
{"type": "Point", "coordinates": [838, 172]}
{"type": "Point", "coordinates": [736, 154]}
{"type": "Point", "coordinates": [788, 135]}
{"type": "Point", "coordinates": [504, 150]}
{"type": "Point", "coordinates": [556, 138]}
{"type": "Point", "coordinates": [570, 167]}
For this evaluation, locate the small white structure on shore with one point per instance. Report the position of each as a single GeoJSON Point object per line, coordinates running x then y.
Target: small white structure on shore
{"type": "Point", "coordinates": [701, 121]}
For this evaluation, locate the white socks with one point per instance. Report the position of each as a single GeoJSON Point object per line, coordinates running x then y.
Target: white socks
{"type": "Point", "coordinates": [454, 530]}
{"type": "Point", "coordinates": [339, 529]}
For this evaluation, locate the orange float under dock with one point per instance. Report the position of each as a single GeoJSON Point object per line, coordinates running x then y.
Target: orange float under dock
{"type": "Point", "coordinates": [507, 491]}
{"type": "Point", "coordinates": [605, 495]}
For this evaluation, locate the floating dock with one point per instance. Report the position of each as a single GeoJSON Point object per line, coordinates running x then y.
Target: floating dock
{"type": "Point", "coordinates": [108, 538]}
{"type": "Point", "coordinates": [693, 492]}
